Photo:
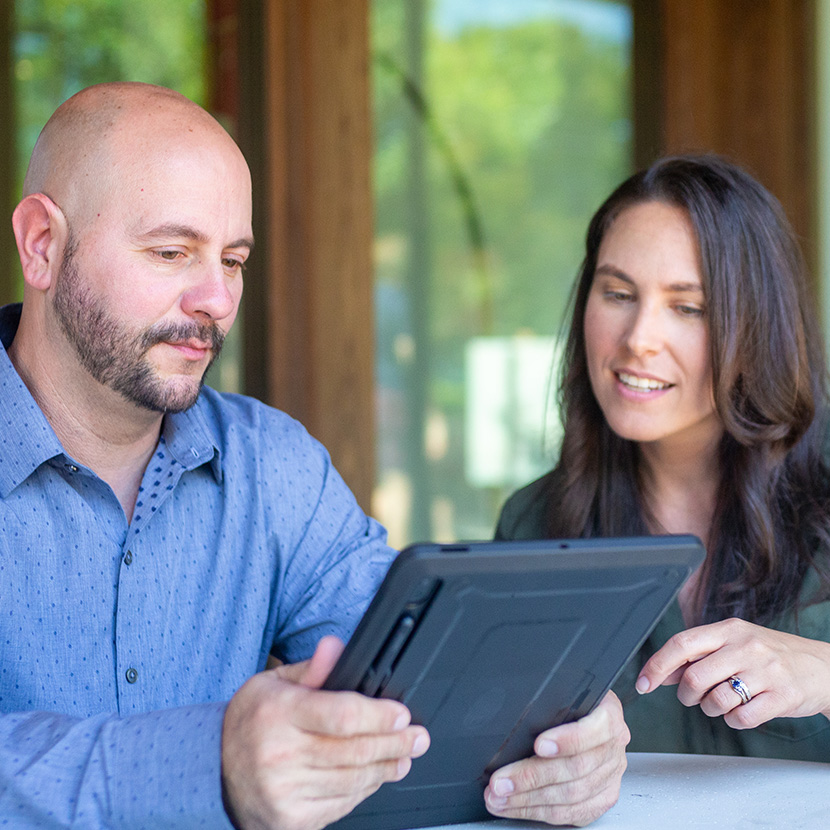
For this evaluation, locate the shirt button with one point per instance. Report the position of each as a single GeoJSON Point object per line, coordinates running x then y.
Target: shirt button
{"type": "Point", "coordinates": [132, 675]}
{"type": "Point", "coordinates": [128, 558]}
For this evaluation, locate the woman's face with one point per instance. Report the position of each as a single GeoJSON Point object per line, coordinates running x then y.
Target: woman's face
{"type": "Point", "coordinates": [646, 335]}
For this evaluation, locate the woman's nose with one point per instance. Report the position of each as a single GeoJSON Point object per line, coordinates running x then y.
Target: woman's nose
{"type": "Point", "coordinates": [645, 335]}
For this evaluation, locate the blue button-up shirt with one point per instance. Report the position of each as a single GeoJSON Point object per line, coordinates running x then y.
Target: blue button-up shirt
{"type": "Point", "coordinates": [121, 642]}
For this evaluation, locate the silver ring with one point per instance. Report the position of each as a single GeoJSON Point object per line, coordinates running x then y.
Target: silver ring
{"type": "Point", "coordinates": [740, 688]}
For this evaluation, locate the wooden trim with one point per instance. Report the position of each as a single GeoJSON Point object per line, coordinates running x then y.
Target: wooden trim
{"type": "Point", "coordinates": [310, 343]}
{"type": "Point", "coordinates": [647, 81]}
{"type": "Point", "coordinates": [738, 80]}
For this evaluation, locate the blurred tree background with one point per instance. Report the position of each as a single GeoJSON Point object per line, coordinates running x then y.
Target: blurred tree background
{"type": "Point", "coordinates": [498, 133]}
{"type": "Point", "coordinates": [62, 46]}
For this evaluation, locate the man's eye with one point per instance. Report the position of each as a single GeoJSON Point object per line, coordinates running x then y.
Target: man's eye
{"type": "Point", "coordinates": [234, 264]}
{"type": "Point", "coordinates": [169, 255]}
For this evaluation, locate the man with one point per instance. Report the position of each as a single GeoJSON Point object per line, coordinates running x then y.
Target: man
{"type": "Point", "coordinates": [160, 541]}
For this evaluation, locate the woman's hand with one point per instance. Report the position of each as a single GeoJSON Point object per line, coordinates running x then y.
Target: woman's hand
{"type": "Point", "coordinates": [784, 675]}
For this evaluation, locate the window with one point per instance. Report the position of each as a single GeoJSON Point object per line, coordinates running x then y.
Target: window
{"type": "Point", "coordinates": [500, 126]}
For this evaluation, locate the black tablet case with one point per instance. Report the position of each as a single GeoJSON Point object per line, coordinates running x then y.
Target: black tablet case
{"type": "Point", "coordinates": [490, 643]}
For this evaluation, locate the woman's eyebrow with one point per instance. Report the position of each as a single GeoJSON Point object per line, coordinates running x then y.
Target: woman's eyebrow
{"type": "Point", "coordinates": [674, 287]}
{"type": "Point", "coordinates": [685, 288]}
{"type": "Point", "coordinates": [613, 271]}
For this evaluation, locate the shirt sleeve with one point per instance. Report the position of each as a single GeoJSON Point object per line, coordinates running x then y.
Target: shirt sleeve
{"type": "Point", "coordinates": [338, 561]}
{"type": "Point", "coordinates": [152, 771]}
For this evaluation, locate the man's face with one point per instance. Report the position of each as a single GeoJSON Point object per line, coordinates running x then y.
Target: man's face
{"type": "Point", "coordinates": [116, 354]}
{"type": "Point", "coordinates": [150, 285]}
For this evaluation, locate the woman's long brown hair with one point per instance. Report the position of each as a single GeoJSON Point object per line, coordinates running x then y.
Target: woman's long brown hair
{"type": "Point", "coordinates": [773, 503]}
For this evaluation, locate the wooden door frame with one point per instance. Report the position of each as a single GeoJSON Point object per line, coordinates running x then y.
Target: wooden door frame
{"type": "Point", "coordinates": [305, 126]}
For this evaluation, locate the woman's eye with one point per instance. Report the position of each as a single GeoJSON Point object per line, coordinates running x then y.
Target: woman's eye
{"type": "Point", "coordinates": [689, 310]}
{"type": "Point", "coordinates": [618, 296]}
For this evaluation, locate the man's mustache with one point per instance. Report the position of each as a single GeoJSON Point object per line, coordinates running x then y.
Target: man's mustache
{"type": "Point", "coordinates": [208, 333]}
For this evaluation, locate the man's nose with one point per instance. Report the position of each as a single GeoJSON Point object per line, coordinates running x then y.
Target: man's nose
{"type": "Point", "coordinates": [210, 294]}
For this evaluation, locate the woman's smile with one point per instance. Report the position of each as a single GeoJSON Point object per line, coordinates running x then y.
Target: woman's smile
{"type": "Point", "coordinates": [646, 335]}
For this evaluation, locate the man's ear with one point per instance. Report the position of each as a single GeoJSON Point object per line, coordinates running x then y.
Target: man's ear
{"type": "Point", "coordinates": [41, 231]}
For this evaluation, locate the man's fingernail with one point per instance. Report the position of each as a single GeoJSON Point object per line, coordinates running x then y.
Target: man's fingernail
{"type": "Point", "coordinates": [496, 801]}
{"type": "Point", "coordinates": [420, 746]}
{"type": "Point", "coordinates": [642, 684]}
{"type": "Point", "coordinates": [548, 748]}
{"type": "Point", "coordinates": [503, 786]}
{"type": "Point", "coordinates": [402, 722]}
{"type": "Point", "coordinates": [404, 765]}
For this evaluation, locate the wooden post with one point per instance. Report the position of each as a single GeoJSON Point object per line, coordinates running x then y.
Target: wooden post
{"type": "Point", "coordinates": [309, 307]}
{"type": "Point", "coordinates": [738, 80]}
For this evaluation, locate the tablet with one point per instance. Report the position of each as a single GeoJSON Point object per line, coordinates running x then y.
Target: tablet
{"type": "Point", "coordinates": [491, 643]}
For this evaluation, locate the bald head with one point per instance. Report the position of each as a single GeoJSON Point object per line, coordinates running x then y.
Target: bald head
{"type": "Point", "coordinates": [90, 139]}
{"type": "Point", "coordinates": [133, 231]}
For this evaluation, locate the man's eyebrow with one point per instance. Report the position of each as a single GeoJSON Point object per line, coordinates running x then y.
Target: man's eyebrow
{"type": "Point", "coordinates": [675, 287]}
{"type": "Point", "coordinates": [172, 229]}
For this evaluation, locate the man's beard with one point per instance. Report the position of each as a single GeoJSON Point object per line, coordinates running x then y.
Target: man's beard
{"type": "Point", "coordinates": [115, 355]}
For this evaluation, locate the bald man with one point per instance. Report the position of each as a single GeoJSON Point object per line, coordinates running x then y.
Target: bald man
{"type": "Point", "coordinates": [161, 542]}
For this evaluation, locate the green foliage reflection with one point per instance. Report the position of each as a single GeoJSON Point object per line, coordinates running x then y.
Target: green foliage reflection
{"type": "Point", "coordinates": [62, 46]}
{"type": "Point", "coordinates": [524, 128]}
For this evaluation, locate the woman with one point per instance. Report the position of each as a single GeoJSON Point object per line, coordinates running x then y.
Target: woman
{"type": "Point", "coordinates": [694, 401]}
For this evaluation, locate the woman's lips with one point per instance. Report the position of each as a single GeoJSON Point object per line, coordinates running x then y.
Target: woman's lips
{"type": "Point", "coordinates": [640, 386]}
{"type": "Point", "coordinates": [641, 383]}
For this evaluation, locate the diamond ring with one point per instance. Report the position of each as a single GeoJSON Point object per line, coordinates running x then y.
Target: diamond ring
{"type": "Point", "coordinates": [740, 688]}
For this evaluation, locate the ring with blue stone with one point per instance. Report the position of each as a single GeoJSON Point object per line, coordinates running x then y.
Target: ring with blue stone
{"type": "Point", "coordinates": [740, 688]}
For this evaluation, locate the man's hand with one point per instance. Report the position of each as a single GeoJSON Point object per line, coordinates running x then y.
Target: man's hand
{"type": "Point", "coordinates": [297, 758]}
{"type": "Point", "coordinates": [573, 778]}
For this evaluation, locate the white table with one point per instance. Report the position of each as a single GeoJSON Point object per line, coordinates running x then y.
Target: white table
{"type": "Point", "coordinates": [674, 792]}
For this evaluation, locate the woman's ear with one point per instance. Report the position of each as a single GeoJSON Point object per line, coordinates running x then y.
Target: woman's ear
{"type": "Point", "coordinates": [41, 231]}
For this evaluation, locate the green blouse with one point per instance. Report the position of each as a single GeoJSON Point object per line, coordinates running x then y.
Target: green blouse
{"type": "Point", "coordinates": [658, 721]}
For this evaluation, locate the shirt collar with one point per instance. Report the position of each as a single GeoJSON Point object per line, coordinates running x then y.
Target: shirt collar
{"type": "Point", "coordinates": [28, 440]}
{"type": "Point", "coordinates": [192, 437]}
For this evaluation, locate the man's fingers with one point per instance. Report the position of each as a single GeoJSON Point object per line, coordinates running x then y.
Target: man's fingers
{"type": "Point", "coordinates": [313, 672]}
{"type": "Point", "coordinates": [604, 724]}
{"type": "Point", "coordinates": [577, 813]}
{"type": "Point", "coordinates": [569, 790]}
{"type": "Point", "coordinates": [359, 751]}
{"type": "Point", "coordinates": [573, 789]}
{"type": "Point", "coordinates": [297, 756]}
{"type": "Point", "coordinates": [535, 773]}
{"type": "Point", "coordinates": [343, 782]}
{"type": "Point", "coordinates": [325, 796]}
{"type": "Point", "coordinates": [322, 662]}
{"type": "Point", "coordinates": [343, 714]}
{"type": "Point", "coordinates": [577, 781]}
{"type": "Point", "coordinates": [336, 714]}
